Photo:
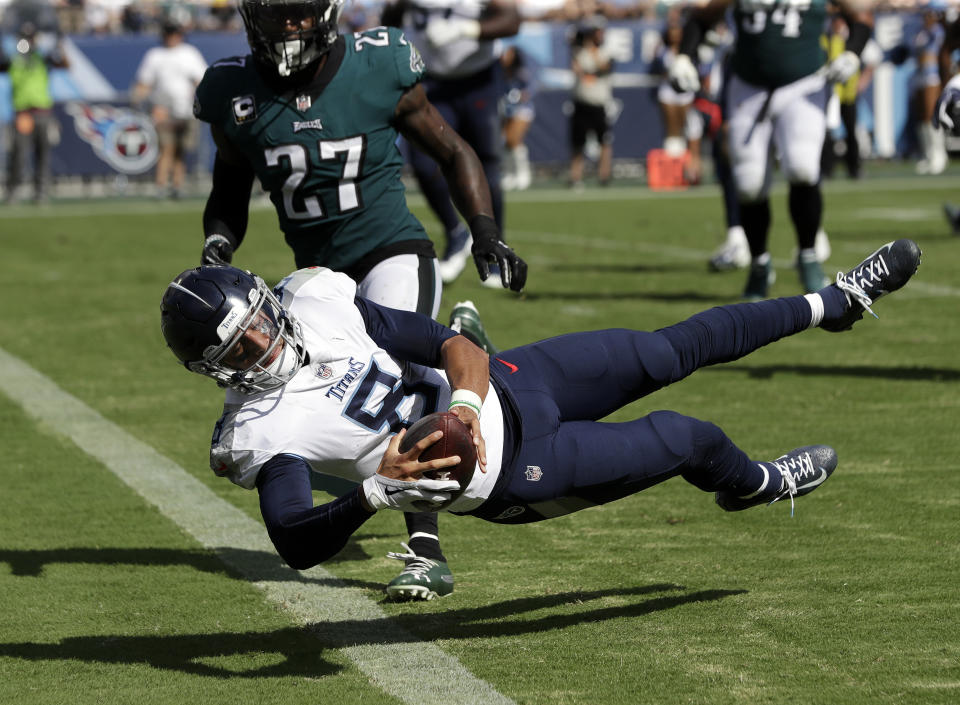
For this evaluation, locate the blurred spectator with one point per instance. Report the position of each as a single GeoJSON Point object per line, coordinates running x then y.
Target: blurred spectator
{"type": "Point", "coordinates": [105, 16]}
{"type": "Point", "coordinates": [926, 88]}
{"type": "Point", "coordinates": [134, 19]}
{"type": "Point", "coordinates": [592, 98]}
{"type": "Point", "coordinates": [683, 126]}
{"type": "Point", "coordinates": [842, 105]}
{"type": "Point", "coordinates": [462, 80]}
{"type": "Point", "coordinates": [33, 122]}
{"type": "Point", "coordinates": [517, 113]}
{"type": "Point", "coordinates": [71, 14]}
{"type": "Point", "coordinates": [168, 77]}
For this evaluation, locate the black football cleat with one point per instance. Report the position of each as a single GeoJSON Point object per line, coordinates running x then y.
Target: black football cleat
{"type": "Point", "coordinates": [883, 272]}
{"type": "Point", "coordinates": [801, 471]}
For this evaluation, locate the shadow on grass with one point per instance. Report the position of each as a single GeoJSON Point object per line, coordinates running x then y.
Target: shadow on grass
{"type": "Point", "coordinates": [251, 565]}
{"type": "Point", "coordinates": [294, 651]}
{"type": "Point", "coordinates": [912, 374]}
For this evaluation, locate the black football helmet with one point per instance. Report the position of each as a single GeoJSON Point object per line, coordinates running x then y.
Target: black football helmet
{"type": "Point", "coordinates": [225, 323]}
{"type": "Point", "coordinates": [289, 35]}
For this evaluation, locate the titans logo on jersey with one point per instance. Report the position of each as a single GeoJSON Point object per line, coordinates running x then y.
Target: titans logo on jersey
{"type": "Point", "coordinates": [341, 409]}
{"type": "Point", "coordinates": [325, 151]}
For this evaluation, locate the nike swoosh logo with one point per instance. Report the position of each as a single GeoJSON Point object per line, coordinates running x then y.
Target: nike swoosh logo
{"type": "Point", "coordinates": [398, 490]}
{"type": "Point", "coordinates": [513, 368]}
{"type": "Point", "coordinates": [814, 483]}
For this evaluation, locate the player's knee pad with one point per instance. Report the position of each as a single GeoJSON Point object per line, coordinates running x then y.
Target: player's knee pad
{"type": "Point", "coordinates": [708, 444]}
{"type": "Point", "coordinates": [804, 174]}
{"type": "Point", "coordinates": [751, 185]}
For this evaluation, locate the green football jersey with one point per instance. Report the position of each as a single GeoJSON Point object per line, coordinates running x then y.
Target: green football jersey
{"type": "Point", "coordinates": [778, 41]}
{"type": "Point", "coordinates": [325, 152]}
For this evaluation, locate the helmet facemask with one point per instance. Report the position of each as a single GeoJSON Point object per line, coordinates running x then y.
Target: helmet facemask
{"type": "Point", "coordinates": [290, 35]}
{"type": "Point", "coordinates": [261, 346]}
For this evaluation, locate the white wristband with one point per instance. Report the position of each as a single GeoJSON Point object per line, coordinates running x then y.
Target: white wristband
{"type": "Point", "coordinates": [464, 397]}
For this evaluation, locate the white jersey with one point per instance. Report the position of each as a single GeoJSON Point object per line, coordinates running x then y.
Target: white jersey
{"type": "Point", "coordinates": [172, 73]}
{"type": "Point", "coordinates": [339, 412]}
{"type": "Point", "coordinates": [461, 57]}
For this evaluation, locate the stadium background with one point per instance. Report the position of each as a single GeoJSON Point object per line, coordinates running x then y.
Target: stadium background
{"type": "Point", "coordinates": [102, 134]}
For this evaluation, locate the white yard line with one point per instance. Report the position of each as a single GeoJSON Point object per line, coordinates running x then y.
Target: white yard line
{"type": "Point", "coordinates": [398, 663]}
{"type": "Point", "coordinates": [634, 191]}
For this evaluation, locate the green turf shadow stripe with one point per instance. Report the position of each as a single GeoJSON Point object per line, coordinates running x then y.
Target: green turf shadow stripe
{"type": "Point", "coordinates": [406, 668]}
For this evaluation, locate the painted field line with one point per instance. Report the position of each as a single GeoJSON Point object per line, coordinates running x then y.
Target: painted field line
{"type": "Point", "coordinates": [406, 668]}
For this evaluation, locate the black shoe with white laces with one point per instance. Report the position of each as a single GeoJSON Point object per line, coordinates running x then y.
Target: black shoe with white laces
{"type": "Point", "coordinates": [800, 472]}
{"type": "Point", "coordinates": [883, 272]}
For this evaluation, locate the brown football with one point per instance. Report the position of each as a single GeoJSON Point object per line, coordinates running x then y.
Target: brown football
{"type": "Point", "coordinates": [456, 440]}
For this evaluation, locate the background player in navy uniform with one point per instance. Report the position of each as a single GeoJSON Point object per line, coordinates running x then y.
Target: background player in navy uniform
{"type": "Point", "coordinates": [315, 353]}
{"type": "Point", "coordinates": [463, 81]}
{"type": "Point", "coordinates": [776, 98]}
{"type": "Point", "coordinates": [314, 115]}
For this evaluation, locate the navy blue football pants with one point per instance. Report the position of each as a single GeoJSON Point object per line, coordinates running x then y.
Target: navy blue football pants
{"type": "Point", "coordinates": [568, 460]}
{"type": "Point", "coordinates": [469, 105]}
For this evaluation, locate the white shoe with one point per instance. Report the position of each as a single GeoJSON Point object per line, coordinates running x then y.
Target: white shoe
{"type": "Point", "coordinates": [493, 281]}
{"type": "Point", "coordinates": [732, 254]}
{"type": "Point", "coordinates": [456, 255]}
{"type": "Point", "coordinates": [523, 174]}
{"type": "Point", "coordinates": [822, 246]}
{"type": "Point", "coordinates": [938, 164]}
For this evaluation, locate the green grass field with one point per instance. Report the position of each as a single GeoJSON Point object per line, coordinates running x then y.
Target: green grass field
{"type": "Point", "coordinates": [168, 594]}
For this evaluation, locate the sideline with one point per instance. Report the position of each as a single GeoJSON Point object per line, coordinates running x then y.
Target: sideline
{"type": "Point", "coordinates": [411, 670]}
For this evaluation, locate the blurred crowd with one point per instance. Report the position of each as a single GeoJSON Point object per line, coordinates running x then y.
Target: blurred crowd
{"type": "Point", "coordinates": [119, 16]}
{"type": "Point", "coordinates": [138, 16]}
{"type": "Point", "coordinates": [592, 109]}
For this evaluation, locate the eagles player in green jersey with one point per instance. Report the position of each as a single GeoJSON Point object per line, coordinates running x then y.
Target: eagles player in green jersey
{"type": "Point", "coordinates": [315, 115]}
{"type": "Point", "coordinates": [777, 97]}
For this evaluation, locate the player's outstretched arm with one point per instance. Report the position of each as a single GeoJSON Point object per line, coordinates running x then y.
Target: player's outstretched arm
{"type": "Point", "coordinates": [468, 371]}
{"type": "Point", "coordinates": [227, 210]}
{"type": "Point", "coordinates": [305, 535]}
{"type": "Point", "coordinates": [421, 123]}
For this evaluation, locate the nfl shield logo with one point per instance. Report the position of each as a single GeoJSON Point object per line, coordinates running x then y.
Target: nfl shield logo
{"type": "Point", "coordinates": [534, 473]}
{"type": "Point", "coordinates": [303, 103]}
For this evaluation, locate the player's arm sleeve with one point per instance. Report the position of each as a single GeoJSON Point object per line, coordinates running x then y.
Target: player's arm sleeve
{"type": "Point", "coordinates": [304, 535]}
{"type": "Point", "coordinates": [228, 206]}
{"type": "Point", "coordinates": [405, 335]}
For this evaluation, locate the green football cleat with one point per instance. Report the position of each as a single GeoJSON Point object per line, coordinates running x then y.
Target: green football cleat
{"type": "Point", "coordinates": [465, 319]}
{"type": "Point", "coordinates": [812, 278]}
{"type": "Point", "coordinates": [421, 579]}
{"type": "Point", "coordinates": [759, 279]}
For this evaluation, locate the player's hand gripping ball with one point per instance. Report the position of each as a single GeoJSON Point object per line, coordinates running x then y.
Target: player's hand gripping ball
{"type": "Point", "coordinates": [457, 440]}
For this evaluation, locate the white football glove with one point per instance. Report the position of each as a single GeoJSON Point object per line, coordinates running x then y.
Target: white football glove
{"type": "Point", "coordinates": [947, 113]}
{"type": "Point", "coordinates": [424, 495]}
{"type": "Point", "coordinates": [442, 32]}
{"type": "Point", "coordinates": [683, 75]}
{"type": "Point", "coordinates": [843, 67]}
